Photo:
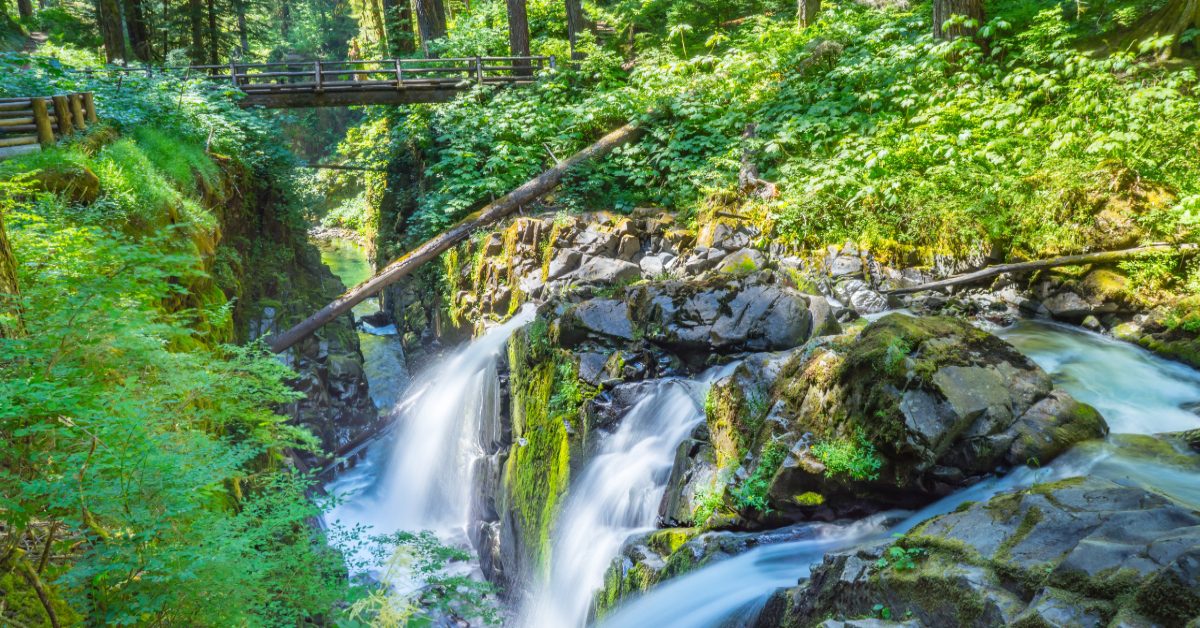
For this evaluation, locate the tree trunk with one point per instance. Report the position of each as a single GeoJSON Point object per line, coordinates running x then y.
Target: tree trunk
{"type": "Point", "coordinates": [944, 9]}
{"type": "Point", "coordinates": [9, 293]}
{"type": "Point", "coordinates": [518, 35]}
{"type": "Point", "coordinates": [285, 20]}
{"type": "Point", "coordinates": [398, 20]}
{"type": "Point", "coordinates": [214, 35]}
{"type": "Point", "coordinates": [196, 21]}
{"type": "Point", "coordinates": [24, 9]}
{"type": "Point", "coordinates": [807, 11]}
{"type": "Point", "coordinates": [108, 14]}
{"type": "Point", "coordinates": [1172, 20]}
{"type": "Point", "coordinates": [431, 21]}
{"type": "Point", "coordinates": [243, 35]}
{"type": "Point", "coordinates": [575, 25]}
{"type": "Point", "coordinates": [1102, 257]}
{"type": "Point", "coordinates": [139, 32]}
{"type": "Point", "coordinates": [496, 210]}
{"type": "Point", "coordinates": [166, 30]}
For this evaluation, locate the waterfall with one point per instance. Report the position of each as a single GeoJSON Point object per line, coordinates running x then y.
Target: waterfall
{"type": "Point", "coordinates": [419, 478]}
{"type": "Point", "coordinates": [616, 495]}
{"type": "Point", "coordinates": [1136, 392]}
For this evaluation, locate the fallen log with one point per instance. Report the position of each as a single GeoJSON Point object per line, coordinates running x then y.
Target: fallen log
{"type": "Point", "coordinates": [1104, 257]}
{"type": "Point", "coordinates": [494, 211]}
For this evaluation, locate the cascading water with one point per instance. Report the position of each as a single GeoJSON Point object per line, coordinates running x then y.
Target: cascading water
{"type": "Point", "coordinates": [617, 494]}
{"type": "Point", "coordinates": [1136, 391]}
{"type": "Point", "coordinates": [419, 477]}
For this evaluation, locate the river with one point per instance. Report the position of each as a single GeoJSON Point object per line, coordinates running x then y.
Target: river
{"type": "Point", "coordinates": [417, 476]}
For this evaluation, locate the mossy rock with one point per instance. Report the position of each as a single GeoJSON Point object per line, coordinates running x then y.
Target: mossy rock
{"type": "Point", "coordinates": [1076, 552]}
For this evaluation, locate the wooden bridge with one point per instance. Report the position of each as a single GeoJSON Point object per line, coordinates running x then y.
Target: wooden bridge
{"type": "Point", "coordinates": [296, 84]}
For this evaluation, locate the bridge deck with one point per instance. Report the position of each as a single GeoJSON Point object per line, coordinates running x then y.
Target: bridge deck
{"type": "Point", "coordinates": [387, 81]}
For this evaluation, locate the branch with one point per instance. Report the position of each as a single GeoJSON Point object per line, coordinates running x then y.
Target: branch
{"type": "Point", "coordinates": [1105, 257]}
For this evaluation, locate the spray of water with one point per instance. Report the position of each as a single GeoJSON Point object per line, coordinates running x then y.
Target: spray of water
{"type": "Point", "coordinates": [617, 495]}
{"type": "Point", "coordinates": [419, 478]}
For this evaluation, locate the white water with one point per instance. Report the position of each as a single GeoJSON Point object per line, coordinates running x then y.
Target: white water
{"type": "Point", "coordinates": [1136, 392]}
{"type": "Point", "coordinates": [419, 477]}
{"type": "Point", "coordinates": [617, 495]}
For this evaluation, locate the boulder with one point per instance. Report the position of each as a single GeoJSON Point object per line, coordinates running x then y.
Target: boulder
{"type": "Point", "coordinates": [727, 314]}
{"type": "Point", "coordinates": [906, 411]}
{"type": "Point", "coordinates": [604, 270]}
{"type": "Point", "coordinates": [742, 262]}
{"type": "Point", "coordinates": [596, 318]}
{"type": "Point", "coordinates": [1080, 552]}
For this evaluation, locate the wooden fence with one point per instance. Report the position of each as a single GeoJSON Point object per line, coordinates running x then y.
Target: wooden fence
{"type": "Point", "coordinates": [29, 124]}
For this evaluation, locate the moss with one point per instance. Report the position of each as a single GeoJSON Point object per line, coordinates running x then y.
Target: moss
{"type": "Point", "coordinates": [547, 397]}
{"type": "Point", "coordinates": [1033, 516]}
{"type": "Point", "coordinates": [1168, 600]}
{"type": "Point", "coordinates": [667, 542]}
{"type": "Point", "coordinates": [809, 499]}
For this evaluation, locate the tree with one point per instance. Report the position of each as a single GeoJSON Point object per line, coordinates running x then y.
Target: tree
{"type": "Point", "coordinates": [518, 33]}
{"type": "Point", "coordinates": [139, 31]}
{"type": "Point", "coordinates": [431, 21]}
{"type": "Point", "coordinates": [239, 7]}
{"type": "Point", "coordinates": [1170, 21]}
{"type": "Point", "coordinates": [195, 15]}
{"type": "Point", "coordinates": [943, 10]}
{"type": "Point", "coordinates": [9, 292]}
{"type": "Point", "coordinates": [398, 17]}
{"type": "Point", "coordinates": [108, 14]}
{"type": "Point", "coordinates": [25, 9]}
{"type": "Point", "coordinates": [214, 34]}
{"type": "Point", "coordinates": [807, 11]}
{"type": "Point", "coordinates": [574, 25]}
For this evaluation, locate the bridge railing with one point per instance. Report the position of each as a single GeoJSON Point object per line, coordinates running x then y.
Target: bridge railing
{"type": "Point", "coordinates": [380, 73]}
{"type": "Point", "coordinates": [318, 75]}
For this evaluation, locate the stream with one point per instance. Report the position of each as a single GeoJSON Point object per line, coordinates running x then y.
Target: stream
{"type": "Point", "coordinates": [417, 476]}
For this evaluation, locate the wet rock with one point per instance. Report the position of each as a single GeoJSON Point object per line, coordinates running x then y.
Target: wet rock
{"type": "Point", "coordinates": [604, 318]}
{"type": "Point", "coordinates": [693, 473]}
{"type": "Point", "coordinates": [564, 262]}
{"type": "Point", "coordinates": [1081, 552]}
{"type": "Point", "coordinates": [727, 237]}
{"type": "Point", "coordinates": [742, 262]}
{"type": "Point", "coordinates": [726, 314]}
{"type": "Point", "coordinates": [603, 270]}
{"type": "Point", "coordinates": [628, 248]}
{"type": "Point", "coordinates": [845, 266]}
{"type": "Point", "coordinates": [655, 265]}
{"type": "Point", "coordinates": [860, 297]}
{"type": "Point", "coordinates": [908, 410]}
{"type": "Point", "coordinates": [1068, 306]}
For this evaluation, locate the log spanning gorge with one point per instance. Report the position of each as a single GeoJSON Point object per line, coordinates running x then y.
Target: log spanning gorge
{"type": "Point", "coordinates": [1032, 462]}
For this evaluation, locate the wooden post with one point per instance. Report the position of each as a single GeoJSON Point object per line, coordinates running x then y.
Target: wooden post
{"type": "Point", "coordinates": [233, 72]}
{"type": "Point", "coordinates": [62, 112]}
{"type": "Point", "coordinates": [77, 111]}
{"type": "Point", "coordinates": [399, 74]}
{"type": "Point", "coordinates": [89, 107]}
{"type": "Point", "coordinates": [479, 70]}
{"type": "Point", "coordinates": [41, 118]}
{"type": "Point", "coordinates": [320, 77]}
{"type": "Point", "coordinates": [553, 62]}
{"type": "Point", "coordinates": [494, 211]}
